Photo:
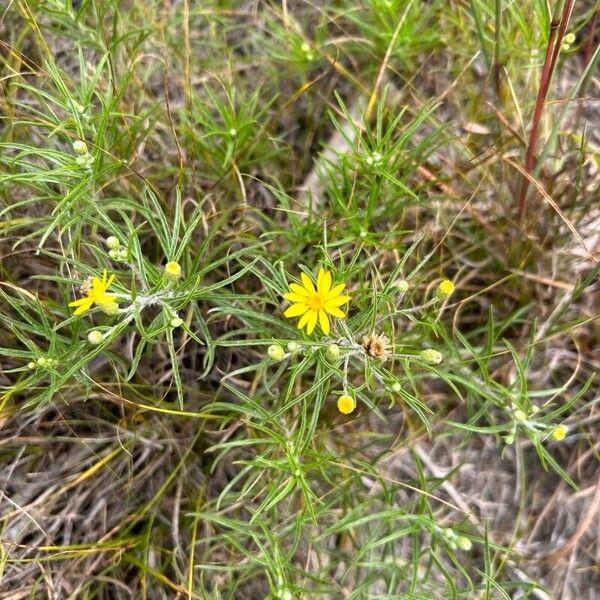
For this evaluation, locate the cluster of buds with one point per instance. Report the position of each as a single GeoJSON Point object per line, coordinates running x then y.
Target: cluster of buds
{"type": "Point", "coordinates": [454, 540]}
{"type": "Point", "coordinates": [84, 158]}
{"type": "Point", "coordinates": [43, 363]}
{"type": "Point", "coordinates": [308, 53]}
{"type": "Point", "coordinates": [374, 160]}
{"type": "Point", "coordinates": [526, 420]}
{"type": "Point", "coordinates": [115, 250]}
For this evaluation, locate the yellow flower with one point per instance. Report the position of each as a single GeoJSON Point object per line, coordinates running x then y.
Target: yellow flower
{"type": "Point", "coordinates": [316, 304]}
{"type": "Point", "coordinates": [559, 432]}
{"type": "Point", "coordinates": [173, 270]}
{"type": "Point", "coordinates": [96, 294]}
{"type": "Point", "coordinates": [445, 289]}
{"type": "Point", "coordinates": [346, 404]}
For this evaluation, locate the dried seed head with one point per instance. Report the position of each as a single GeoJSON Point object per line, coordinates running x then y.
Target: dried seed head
{"type": "Point", "coordinates": [376, 346]}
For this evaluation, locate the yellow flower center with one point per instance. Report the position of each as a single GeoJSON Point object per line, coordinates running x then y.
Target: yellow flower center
{"type": "Point", "coordinates": [316, 302]}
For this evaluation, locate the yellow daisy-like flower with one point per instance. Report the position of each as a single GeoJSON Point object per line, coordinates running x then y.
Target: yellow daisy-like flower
{"type": "Point", "coordinates": [96, 294]}
{"type": "Point", "coordinates": [314, 304]}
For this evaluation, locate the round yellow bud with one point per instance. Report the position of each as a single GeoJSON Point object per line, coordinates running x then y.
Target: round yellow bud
{"type": "Point", "coordinates": [173, 270]}
{"type": "Point", "coordinates": [445, 289]}
{"type": "Point", "coordinates": [559, 432]}
{"type": "Point", "coordinates": [176, 322]}
{"type": "Point", "coordinates": [346, 404]}
{"type": "Point", "coordinates": [31, 365]}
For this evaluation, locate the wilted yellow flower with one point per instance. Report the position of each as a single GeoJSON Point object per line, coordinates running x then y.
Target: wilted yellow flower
{"type": "Point", "coordinates": [316, 304]}
{"type": "Point", "coordinates": [346, 404]}
{"type": "Point", "coordinates": [96, 294]}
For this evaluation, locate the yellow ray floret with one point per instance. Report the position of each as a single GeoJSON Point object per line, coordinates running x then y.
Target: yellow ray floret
{"type": "Point", "coordinates": [316, 303]}
{"type": "Point", "coordinates": [95, 295]}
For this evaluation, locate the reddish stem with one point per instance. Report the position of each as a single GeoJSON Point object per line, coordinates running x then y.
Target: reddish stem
{"type": "Point", "coordinates": [558, 26]}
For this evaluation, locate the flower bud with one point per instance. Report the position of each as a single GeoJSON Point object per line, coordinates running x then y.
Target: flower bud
{"type": "Point", "coordinates": [333, 352]}
{"type": "Point", "coordinates": [276, 352]}
{"type": "Point", "coordinates": [293, 347]}
{"type": "Point", "coordinates": [509, 439]}
{"type": "Point", "coordinates": [176, 322]}
{"type": "Point", "coordinates": [31, 365]}
{"type": "Point", "coordinates": [346, 404]}
{"type": "Point", "coordinates": [80, 147]}
{"type": "Point", "coordinates": [396, 387]}
{"type": "Point", "coordinates": [559, 432]}
{"type": "Point", "coordinates": [42, 362]}
{"type": "Point", "coordinates": [431, 356]}
{"type": "Point", "coordinates": [112, 242]}
{"type": "Point", "coordinates": [445, 289]}
{"type": "Point", "coordinates": [464, 543]}
{"type": "Point", "coordinates": [95, 337]}
{"type": "Point", "coordinates": [402, 286]}
{"type": "Point", "coordinates": [173, 270]}
{"type": "Point", "coordinates": [110, 308]}
{"type": "Point", "coordinates": [520, 416]}
{"type": "Point", "coordinates": [569, 38]}
{"type": "Point", "coordinates": [122, 253]}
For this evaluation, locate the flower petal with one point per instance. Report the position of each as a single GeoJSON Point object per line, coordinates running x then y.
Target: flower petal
{"type": "Point", "coordinates": [307, 283]}
{"type": "Point", "coordinates": [304, 318]}
{"type": "Point", "coordinates": [295, 310]}
{"type": "Point", "coordinates": [298, 289]}
{"type": "Point", "coordinates": [337, 301]}
{"type": "Point", "coordinates": [323, 281]}
{"type": "Point", "coordinates": [105, 299]}
{"type": "Point", "coordinates": [80, 302]}
{"type": "Point", "coordinates": [324, 322]}
{"type": "Point", "coordinates": [293, 297]}
{"type": "Point", "coordinates": [336, 290]}
{"type": "Point", "coordinates": [312, 321]}
{"type": "Point", "coordinates": [335, 312]}
{"type": "Point", "coordinates": [83, 308]}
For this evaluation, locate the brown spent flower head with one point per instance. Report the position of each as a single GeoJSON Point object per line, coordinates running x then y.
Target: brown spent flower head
{"type": "Point", "coordinates": [376, 346]}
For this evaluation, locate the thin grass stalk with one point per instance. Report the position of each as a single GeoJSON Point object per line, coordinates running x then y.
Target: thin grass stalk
{"type": "Point", "coordinates": [558, 26]}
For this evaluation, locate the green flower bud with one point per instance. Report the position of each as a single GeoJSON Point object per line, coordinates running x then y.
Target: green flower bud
{"type": "Point", "coordinates": [464, 543]}
{"type": "Point", "coordinates": [176, 322]}
{"type": "Point", "coordinates": [122, 253]}
{"type": "Point", "coordinates": [396, 387]}
{"type": "Point", "coordinates": [402, 286]}
{"type": "Point", "coordinates": [520, 416]}
{"type": "Point", "coordinates": [430, 356]}
{"type": "Point", "coordinates": [31, 365]}
{"type": "Point", "coordinates": [114, 254]}
{"type": "Point", "coordinates": [276, 352]}
{"type": "Point", "coordinates": [42, 362]}
{"type": "Point", "coordinates": [80, 147]}
{"type": "Point", "coordinates": [110, 308]}
{"type": "Point", "coordinates": [112, 242]}
{"type": "Point", "coordinates": [293, 347]}
{"type": "Point", "coordinates": [569, 38]}
{"type": "Point", "coordinates": [333, 352]}
{"type": "Point", "coordinates": [509, 439]}
{"type": "Point", "coordinates": [95, 337]}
